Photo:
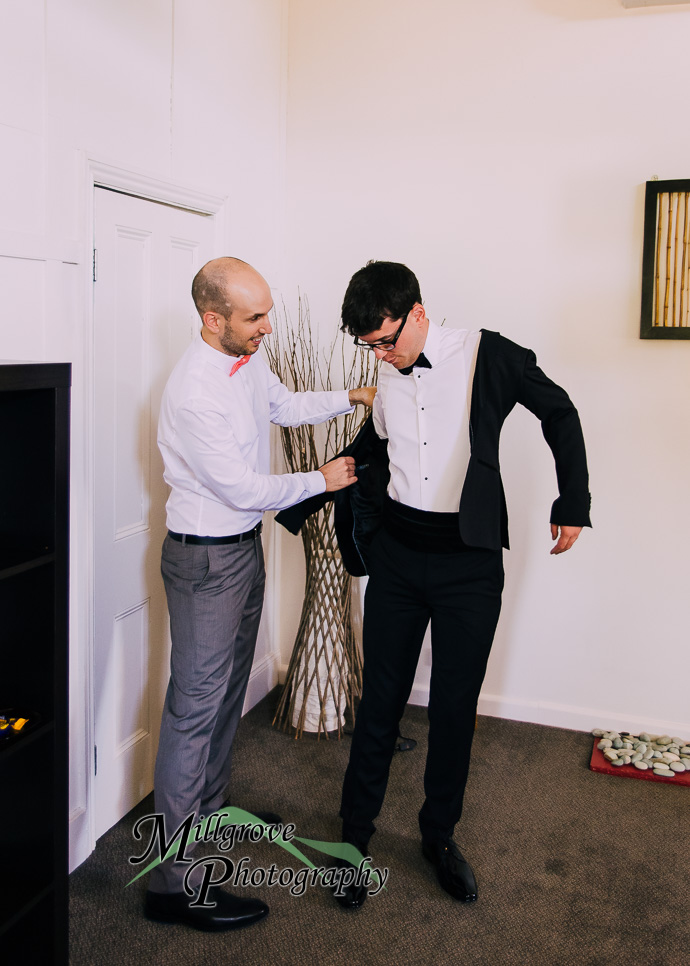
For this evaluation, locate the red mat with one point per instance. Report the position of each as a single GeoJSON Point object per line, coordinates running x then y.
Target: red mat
{"type": "Point", "coordinates": [601, 764]}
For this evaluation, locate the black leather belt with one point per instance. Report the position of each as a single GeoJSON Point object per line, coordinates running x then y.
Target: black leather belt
{"type": "Point", "coordinates": [216, 541]}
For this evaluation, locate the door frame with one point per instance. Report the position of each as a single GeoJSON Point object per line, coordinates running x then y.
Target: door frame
{"type": "Point", "coordinates": [98, 174]}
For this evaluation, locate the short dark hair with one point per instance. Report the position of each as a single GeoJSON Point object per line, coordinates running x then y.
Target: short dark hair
{"type": "Point", "coordinates": [380, 290]}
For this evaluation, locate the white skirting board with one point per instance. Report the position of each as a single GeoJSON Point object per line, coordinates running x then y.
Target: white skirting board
{"type": "Point", "coordinates": [566, 716]}
{"type": "Point", "coordinates": [557, 715]}
{"type": "Point", "coordinates": [263, 679]}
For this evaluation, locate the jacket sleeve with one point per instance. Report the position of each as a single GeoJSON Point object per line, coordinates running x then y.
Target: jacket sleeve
{"type": "Point", "coordinates": [293, 517]}
{"type": "Point", "coordinates": [357, 513]}
{"type": "Point", "coordinates": [562, 431]}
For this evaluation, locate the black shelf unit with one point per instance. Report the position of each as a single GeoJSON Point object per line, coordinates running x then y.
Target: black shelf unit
{"type": "Point", "coordinates": [34, 586]}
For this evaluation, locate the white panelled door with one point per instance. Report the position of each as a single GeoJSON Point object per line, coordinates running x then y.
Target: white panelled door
{"type": "Point", "coordinates": [144, 318]}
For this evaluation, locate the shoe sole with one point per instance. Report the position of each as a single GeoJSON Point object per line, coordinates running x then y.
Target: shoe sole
{"type": "Point", "coordinates": [172, 920]}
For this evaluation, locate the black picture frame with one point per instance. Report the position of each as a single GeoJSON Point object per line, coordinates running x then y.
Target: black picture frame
{"type": "Point", "coordinates": [649, 329]}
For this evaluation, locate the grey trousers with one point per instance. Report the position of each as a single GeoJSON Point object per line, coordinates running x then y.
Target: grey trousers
{"type": "Point", "coordinates": [215, 595]}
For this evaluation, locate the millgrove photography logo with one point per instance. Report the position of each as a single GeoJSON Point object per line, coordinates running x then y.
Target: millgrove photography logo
{"type": "Point", "coordinates": [230, 826]}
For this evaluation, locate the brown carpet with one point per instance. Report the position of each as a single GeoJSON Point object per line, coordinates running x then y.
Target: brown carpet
{"type": "Point", "coordinates": [573, 868]}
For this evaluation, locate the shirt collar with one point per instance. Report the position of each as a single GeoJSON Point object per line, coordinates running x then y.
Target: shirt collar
{"type": "Point", "coordinates": [432, 345]}
{"type": "Point", "coordinates": [221, 360]}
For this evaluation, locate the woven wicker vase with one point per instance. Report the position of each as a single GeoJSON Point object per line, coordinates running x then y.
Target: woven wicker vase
{"type": "Point", "coordinates": [325, 671]}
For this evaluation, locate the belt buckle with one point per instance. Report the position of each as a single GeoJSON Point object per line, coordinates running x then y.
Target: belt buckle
{"type": "Point", "coordinates": [254, 532]}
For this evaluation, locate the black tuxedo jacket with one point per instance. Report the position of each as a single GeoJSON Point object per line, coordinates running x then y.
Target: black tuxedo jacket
{"type": "Point", "coordinates": [505, 374]}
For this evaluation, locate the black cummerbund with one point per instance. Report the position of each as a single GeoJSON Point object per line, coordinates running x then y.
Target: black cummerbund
{"type": "Point", "coordinates": [423, 529]}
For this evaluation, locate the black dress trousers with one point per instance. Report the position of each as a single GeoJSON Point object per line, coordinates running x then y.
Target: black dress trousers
{"type": "Point", "coordinates": [460, 593]}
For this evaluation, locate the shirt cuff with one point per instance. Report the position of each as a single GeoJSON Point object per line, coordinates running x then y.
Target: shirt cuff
{"type": "Point", "coordinates": [316, 482]}
{"type": "Point", "coordinates": [343, 401]}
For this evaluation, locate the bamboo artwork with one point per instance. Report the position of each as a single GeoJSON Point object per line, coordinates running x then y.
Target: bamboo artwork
{"type": "Point", "coordinates": [325, 671]}
{"type": "Point", "coordinates": [672, 261]}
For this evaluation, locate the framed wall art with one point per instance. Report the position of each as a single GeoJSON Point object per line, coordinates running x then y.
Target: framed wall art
{"type": "Point", "coordinates": [666, 261]}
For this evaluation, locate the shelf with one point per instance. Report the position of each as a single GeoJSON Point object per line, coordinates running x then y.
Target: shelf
{"type": "Point", "coordinates": [32, 938]}
{"type": "Point", "coordinates": [28, 640]}
{"type": "Point", "coordinates": [11, 570]}
{"type": "Point", "coordinates": [10, 745]}
{"type": "Point", "coordinates": [24, 376]}
{"type": "Point", "coordinates": [26, 836]}
{"type": "Point", "coordinates": [34, 630]}
{"type": "Point", "coordinates": [5, 926]}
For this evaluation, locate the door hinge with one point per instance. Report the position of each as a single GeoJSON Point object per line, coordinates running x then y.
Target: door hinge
{"type": "Point", "coordinates": [95, 265]}
{"type": "Point", "coordinates": [95, 759]}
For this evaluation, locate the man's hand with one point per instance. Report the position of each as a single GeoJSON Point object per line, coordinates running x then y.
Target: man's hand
{"type": "Point", "coordinates": [339, 473]}
{"type": "Point", "coordinates": [567, 538]}
{"type": "Point", "coordinates": [364, 395]}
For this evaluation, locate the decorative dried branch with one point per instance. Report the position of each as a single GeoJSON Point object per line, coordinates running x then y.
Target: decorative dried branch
{"type": "Point", "coordinates": [668, 255]}
{"type": "Point", "coordinates": [676, 252]}
{"type": "Point", "coordinates": [299, 362]}
{"type": "Point", "coordinates": [657, 276]}
{"type": "Point", "coordinates": [684, 262]}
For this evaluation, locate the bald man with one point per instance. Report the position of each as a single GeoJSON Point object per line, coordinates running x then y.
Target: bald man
{"type": "Point", "coordinates": [214, 437]}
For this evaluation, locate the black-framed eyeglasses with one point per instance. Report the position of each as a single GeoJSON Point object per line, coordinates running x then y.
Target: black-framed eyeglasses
{"type": "Point", "coordinates": [385, 344]}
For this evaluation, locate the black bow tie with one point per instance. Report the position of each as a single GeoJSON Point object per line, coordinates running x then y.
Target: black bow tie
{"type": "Point", "coordinates": [421, 362]}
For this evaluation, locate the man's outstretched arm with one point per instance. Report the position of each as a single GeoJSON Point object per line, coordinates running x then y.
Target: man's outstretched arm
{"type": "Point", "coordinates": [563, 433]}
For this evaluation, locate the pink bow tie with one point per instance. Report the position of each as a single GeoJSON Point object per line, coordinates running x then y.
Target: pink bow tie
{"type": "Point", "coordinates": [243, 360]}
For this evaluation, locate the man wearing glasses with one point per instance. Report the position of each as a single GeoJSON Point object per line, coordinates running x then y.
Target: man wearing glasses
{"type": "Point", "coordinates": [442, 398]}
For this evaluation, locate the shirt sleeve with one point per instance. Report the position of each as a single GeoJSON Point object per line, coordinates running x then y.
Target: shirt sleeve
{"type": "Point", "coordinates": [294, 408]}
{"type": "Point", "coordinates": [378, 415]}
{"type": "Point", "coordinates": [206, 442]}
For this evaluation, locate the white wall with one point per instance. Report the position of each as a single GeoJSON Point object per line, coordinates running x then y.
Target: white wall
{"type": "Point", "coordinates": [500, 149]}
{"type": "Point", "coordinates": [189, 92]}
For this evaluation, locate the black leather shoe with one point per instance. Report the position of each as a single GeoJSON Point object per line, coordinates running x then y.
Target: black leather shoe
{"type": "Point", "coordinates": [350, 896]}
{"type": "Point", "coordinates": [229, 912]}
{"type": "Point", "coordinates": [453, 871]}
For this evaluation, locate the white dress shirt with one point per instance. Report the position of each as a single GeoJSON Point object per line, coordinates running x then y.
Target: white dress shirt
{"type": "Point", "coordinates": [425, 418]}
{"type": "Point", "coordinates": [213, 434]}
